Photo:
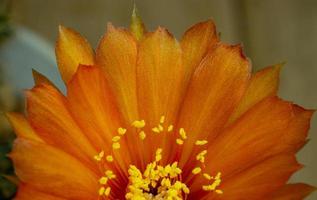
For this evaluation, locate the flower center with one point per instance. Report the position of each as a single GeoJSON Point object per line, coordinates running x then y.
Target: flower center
{"type": "Point", "coordinates": [156, 181]}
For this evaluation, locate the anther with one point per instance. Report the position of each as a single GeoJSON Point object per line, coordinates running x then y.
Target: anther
{"type": "Point", "coordinates": [162, 119]}
{"type": "Point", "coordinates": [99, 156]}
{"type": "Point", "coordinates": [116, 145]}
{"type": "Point", "coordinates": [179, 141]}
{"type": "Point", "coordinates": [116, 138]}
{"type": "Point", "coordinates": [138, 123]}
{"type": "Point", "coordinates": [156, 130]}
{"type": "Point", "coordinates": [122, 131]}
{"type": "Point", "coordinates": [201, 142]}
{"type": "Point", "coordinates": [109, 158]}
{"type": "Point", "coordinates": [170, 128]}
{"type": "Point", "coordinates": [196, 170]}
{"type": "Point", "coordinates": [182, 133]}
{"type": "Point", "coordinates": [142, 135]}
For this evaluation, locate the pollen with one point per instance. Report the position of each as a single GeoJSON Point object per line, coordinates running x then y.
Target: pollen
{"type": "Point", "coordinates": [158, 154]}
{"type": "Point", "coordinates": [214, 185]}
{"type": "Point", "coordinates": [110, 174]}
{"type": "Point", "coordinates": [179, 141]}
{"type": "Point", "coordinates": [201, 156]}
{"type": "Point", "coordinates": [109, 158]}
{"type": "Point", "coordinates": [182, 133]}
{"type": "Point", "coordinates": [156, 181]}
{"type": "Point", "coordinates": [156, 129]}
{"type": "Point", "coordinates": [103, 180]}
{"type": "Point", "coordinates": [116, 138]}
{"type": "Point", "coordinates": [160, 127]}
{"type": "Point", "coordinates": [142, 135]}
{"type": "Point", "coordinates": [207, 176]}
{"type": "Point", "coordinates": [196, 170]}
{"type": "Point", "coordinates": [107, 191]}
{"type": "Point", "coordinates": [99, 156]}
{"type": "Point", "coordinates": [101, 191]}
{"type": "Point", "coordinates": [162, 119]}
{"type": "Point", "coordinates": [116, 145]}
{"type": "Point", "coordinates": [170, 128]}
{"type": "Point", "coordinates": [122, 131]}
{"type": "Point", "coordinates": [138, 123]}
{"type": "Point", "coordinates": [201, 142]}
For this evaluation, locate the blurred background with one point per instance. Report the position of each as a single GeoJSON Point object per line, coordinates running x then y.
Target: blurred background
{"type": "Point", "coordinates": [271, 31]}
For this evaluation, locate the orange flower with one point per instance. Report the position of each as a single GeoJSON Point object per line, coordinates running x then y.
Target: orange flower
{"type": "Point", "coordinates": [149, 117]}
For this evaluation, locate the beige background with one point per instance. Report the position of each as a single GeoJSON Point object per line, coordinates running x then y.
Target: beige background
{"type": "Point", "coordinates": [272, 31]}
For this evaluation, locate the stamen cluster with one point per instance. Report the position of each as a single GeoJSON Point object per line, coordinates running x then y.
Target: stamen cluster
{"type": "Point", "coordinates": [157, 181]}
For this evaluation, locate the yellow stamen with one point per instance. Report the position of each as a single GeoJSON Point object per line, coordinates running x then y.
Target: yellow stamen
{"type": "Point", "coordinates": [138, 123]}
{"type": "Point", "coordinates": [160, 127]}
{"type": "Point", "coordinates": [99, 156]}
{"type": "Point", "coordinates": [142, 135]}
{"type": "Point", "coordinates": [201, 142]}
{"type": "Point", "coordinates": [196, 170]}
{"type": "Point", "coordinates": [201, 156]}
{"type": "Point", "coordinates": [158, 154]}
{"type": "Point", "coordinates": [110, 174]}
{"type": "Point", "coordinates": [109, 158]}
{"type": "Point", "coordinates": [179, 141]}
{"type": "Point", "coordinates": [207, 176]}
{"type": "Point", "coordinates": [219, 191]}
{"type": "Point", "coordinates": [116, 145]}
{"type": "Point", "coordinates": [162, 119]}
{"type": "Point", "coordinates": [107, 191]}
{"type": "Point", "coordinates": [101, 191]}
{"type": "Point", "coordinates": [182, 133]}
{"type": "Point", "coordinates": [122, 131]}
{"type": "Point", "coordinates": [103, 180]}
{"type": "Point", "coordinates": [156, 130]}
{"type": "Point", "coordinates": [170, 128]}
{"type": "Point", "coordinates": [163, 179]}
{"type": "Point", "coordinates": [213, 186]}
{"type": "Point", "coordinates": [116, 138]}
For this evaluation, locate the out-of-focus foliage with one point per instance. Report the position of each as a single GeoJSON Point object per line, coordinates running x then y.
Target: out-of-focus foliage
{"type": "Point", "coordinates": [7, 102]}
{"type": "Point", "coordinates": [5, 29]}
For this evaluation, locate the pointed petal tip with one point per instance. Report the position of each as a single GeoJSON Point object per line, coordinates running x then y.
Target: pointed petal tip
{"type": "Point", "coordinates": [61, 28]}
{"type": "Point", "coordinates": [72, 49]}
{"type": "Point", "coordinates": [110, 26]}
{"type": "Point", "coordinates": [39, 78]}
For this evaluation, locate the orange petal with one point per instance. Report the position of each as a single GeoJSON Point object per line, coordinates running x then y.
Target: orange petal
{"type": "Point", "coordinates": [259, 180]}
{"type": "Point", "coordinates": [28, 193]}
{"type": "Point", "coordinates": [93, 107]}
{"type": "Point", "coordinates": [159, 76]}
{"type": "Point", "coordinates": [89, 91]}
{"type": "Point", "coordinates": [40, 78]}
{"type": "Point", "coordinates": [49, 169]}
{"type": "Point", "coordinates": [195, 43]}
{"type": "Point", "coordinates": [48, 115]}
{"type": "Point", "coordinates": [263, 84]}
{"type": "Point", "coordinates": [261, 132]}
{"type": "Point", "coordinates": [292, 192]}
{"type": "Point", "coordinates": [71, 50]}
{"type": "Point", "coordinates": [21, 127]}
{"type": "Point", "coordinates": [117, 54]}
{"type": "Point", "coordinates": [160, 81]}
{"type": "Point", "coordinates": [297, 130]}
{"type": "Point", "coordinates": [215, 89]}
